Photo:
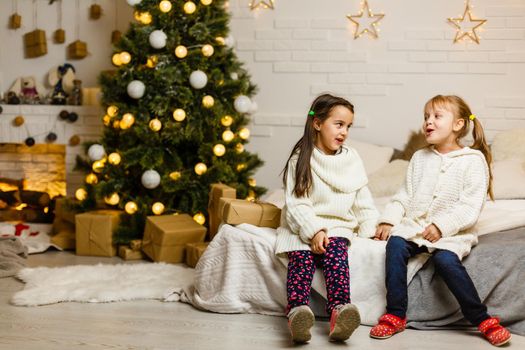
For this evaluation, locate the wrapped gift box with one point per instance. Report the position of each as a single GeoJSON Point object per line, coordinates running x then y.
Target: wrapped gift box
{"type": "Point", "coordinates": [64, 211]}
{"type": "Point", "coordinates": [127, 253]}
{"type": "Point", "coordinates": [65, 239]}
{"type": "Point", "coordinates": [239, 211]}
{"type": "Point", "coordinates": [165, 237]}
{"type": "Point", "coordinates": [94, 232]}
{"type": "Point", "coordinates": [194, 252]}
{"type": "Point", "coordinates": [217, 191]}
{"type": "Point", "coordinates": [77, 50]}
{"type": "Point", "coordinates": [35, 43]}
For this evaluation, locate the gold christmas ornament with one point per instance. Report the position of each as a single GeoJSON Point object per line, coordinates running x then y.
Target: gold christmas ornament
{"type": "Point", "coordinates": [252, 182]}
{"type": "Point", "coordinates": [115, 59]}
{"type": "Point", "coordinates": [175, 175]}
{"type": "Point", "coordinates": [181, 51]}
{"type": "Point", "coordinates": [179, 114]}
{"type": "Point", "coordinates": [125, 57]}
{"type": "Point", "coordinates": [207, 50]}
{"type": "Point", "coordinates": [112, 199]}
{"type": "Point", "coordinates": [116, 124]}
{"type": "Point", "coordinates": [200, 168]}
{"type": "Point", "coordinates": [208, 101]}
{"type": "Point", "coordinates": [81, 194]}
{"type": "Point", "coordinates": [241, 166]}
{"type": "Point", "coordinates": [91, 179]}
{"type": "Point", "coordinates": [97, 166]}
{"type": "Point", "coordinates": [226, 120]}
{"type": "Point", "coordinates": [74, 140]}
{"type": "Point", "coordinates": [371, 19]}
{"type": "Point", "coordinates": [145, 18]}
{"type": "Point", "coordinates": [114, 158]}
{"type": "Point", "coordinates": [19, 120]}
{"type": "Point", "coordinates": [239, 148]}
{"type": "Point", "coordinates": [206, 2]}
{"type": "Point", "coordinates": [157, 208]}
{"type": "Point", "coordinates": [155, 125]}
{"type": "Point", "coordinates": [136, 15]}
{"type": "Point", "coordinates": [470, 25]}
{"type": "Point", "coordinates": [199, 218]}
{"type": "Point", "coordinates": [244, 133]}
{"type": "Point", "coordinates": [262, 4]}
{"type": "Point", "coordinates": [127, 121]}
{"type": "Point", "coordinates": [106, 120]}
{"type": "Point", "coordinates": [189, 7]}
{"type": "Point", "coordinates": [219, 150]}
{"type": "Point", "coordinates": [220, 40]}
{"type": "Point", "coordinates": [131, 208]}
{"type": "Point", "coordinates": [228, 135]}
{"type": "Point", "coordinates": [112, 111]}
{"type": "Point", "coordinates": [152, 61]}
{"type": "Point", "coordinates": [165, 6]}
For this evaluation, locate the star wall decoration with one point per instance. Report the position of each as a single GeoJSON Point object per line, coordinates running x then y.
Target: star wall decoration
{"type": "Point", "coordinates": [467, 20]}
{"type": "Point", "coordinates": [366, 15]}
{"type": "Point", "coordinates": [261, 4]}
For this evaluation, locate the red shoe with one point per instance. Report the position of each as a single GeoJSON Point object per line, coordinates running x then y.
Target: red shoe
{"type": "Point", "coordinates": [495, 333]}
{"type": "Point", "coordinates": [300, 321]}
{"type": "Point", "coordinates": [387, 326]}
{"type": "Point", "coordinates": [343, 322]}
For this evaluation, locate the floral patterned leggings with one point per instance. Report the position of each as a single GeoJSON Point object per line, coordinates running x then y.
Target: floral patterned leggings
{"type": "Point", "coordinates": [301, 268]}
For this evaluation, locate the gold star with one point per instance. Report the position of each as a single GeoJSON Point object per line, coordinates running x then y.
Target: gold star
{"type": "Point", "coordinates": [471, 33]}
{"type": "Point", "coordinates": [372, 18]}
{"type": "Point", "coordinates": [261, 4]}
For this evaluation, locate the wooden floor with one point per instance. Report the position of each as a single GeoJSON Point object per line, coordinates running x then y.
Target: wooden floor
{"type": "Point", "coordinates": [158, 325]}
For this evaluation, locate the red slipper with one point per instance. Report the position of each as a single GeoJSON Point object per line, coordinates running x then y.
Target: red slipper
{"type": "Point", "coordinates": [387, 326]}
{"type": "Point", "coordinates": [495, 333]}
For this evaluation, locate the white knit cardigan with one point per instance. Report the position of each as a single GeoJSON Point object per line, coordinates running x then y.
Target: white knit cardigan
{"type": "Point", "coordinates": [339, 202]}
{"type": "Point", "coordinates": [447, 190]}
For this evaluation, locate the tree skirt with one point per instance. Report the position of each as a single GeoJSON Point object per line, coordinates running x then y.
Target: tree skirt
{"type": "Point", "coordinates": [101, 283]}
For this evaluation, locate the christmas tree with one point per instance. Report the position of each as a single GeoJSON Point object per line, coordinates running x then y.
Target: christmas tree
{"type": "Point", "coordinates": [176, 114]}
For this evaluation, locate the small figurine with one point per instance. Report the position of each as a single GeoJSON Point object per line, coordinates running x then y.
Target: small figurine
{"type": "Point", "coordinates": [61, 79]}
{"type": "Point", "coordinates": [28, 89]}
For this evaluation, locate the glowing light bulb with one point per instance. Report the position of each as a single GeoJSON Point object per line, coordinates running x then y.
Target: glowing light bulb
{"type": "Point", "coordinates": [115, 59]}
{"type": "Point", "coordinates": [127, 121]}
{"type": "Point", "coordinates": [200, 168]}
{"type": "Point", "coordinates": [91, 179]}
{"type": "Point", "coordinates": [181, 51]}
{"type": "Point", "coordinates": [106, 120]}
{"type": "Point", "coordinates": [152, 61]}
{"type": "Point", "coordinates": [112, 199]}
{"type": "Point", "coordinates": [155, 124]}
{"type": "Point", "coordinates": [112, 111]}
{"type": "Point", "coordinates": [228, 135]}
{"type": "Point", "coordinates": [241, 166]}
{"type": "Point", "coordinates": [244, 133]}
{"type": "Point", "coordinates": [199, 218]}
{"type": "Point", "coordinates": [131, 207]}
{"type": "Point", "coordinates": [220, 40]}
{"type": "Point", "coordinates": [125, 57]}
{"type": "Point", "coordinates": [207, 50]}
{"type": "Point", "coordinates": [98, 166]}
{"type": "Point", "coordinates": [81, 194]}
{"type": "Point", "coordinates": [252, 182]}
{"type": "Point", "coordinates": [206, 2]}
{"type": "Point", "coordinates": [157, 208]}
{"type": "Point", "coordinates": [114, 158]}
{"type": "Point", "coordinates": [189, 7]}
{"type": "Point", "coordinates": [165, 6]}
{"type": "Point", "coordinates": [175, 175]}
{"type": "Point", "coordinates": [145, 18]}
{"type": "Point", "coordinates": [239, 148]}
{"type": "Point", "coordinates": [208, 101]}
{"type": "Point", "coordinates": [219, 150]}
{"type": "Point", "coordinates": [226, 120]}
{"type": "Point", "coordinates": [179, 114]}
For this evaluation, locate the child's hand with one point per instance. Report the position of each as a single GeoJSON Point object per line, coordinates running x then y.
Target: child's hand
{"type": "Point", "coordinates": [431, 233]}
{"type": "Point", "coordinates": [319, 242]}
{"type": "Point", "coordinates": [382, 232]}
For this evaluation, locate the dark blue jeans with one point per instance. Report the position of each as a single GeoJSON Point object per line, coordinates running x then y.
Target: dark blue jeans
{"type": "Point", "coordinates": [447, 265]}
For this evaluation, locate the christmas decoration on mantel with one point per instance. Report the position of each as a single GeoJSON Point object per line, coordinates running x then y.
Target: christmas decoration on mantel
{"type": "Point", "coordinates": [261, 4]}
{"type": "Point", "coordinates": [176, 111]}
{"type": "Point", "coordinates": [372, 21]}
{"type": "Point", "coordinates": [471, 24]}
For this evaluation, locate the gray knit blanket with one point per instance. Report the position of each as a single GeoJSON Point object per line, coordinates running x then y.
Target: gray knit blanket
{"type": "Point", "coordinates": [497, 268]}
{"type": "Point", "coordinates": [13, 256]}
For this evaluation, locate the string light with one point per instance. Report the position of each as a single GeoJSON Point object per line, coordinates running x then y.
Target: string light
{"type": "Point", "coordinates": [106, 120]}
{"type": "Point", "coordinates": [98, 166]}
{"type": "Point", "coordinates": [125, 57]}
{"type": "Point", "coordinates": [200, 168]}
{"type": "Point", "coordinates": [112, 199]}
{"type": "Point", "coordinates": [199, 218]}
{"type": "Point", "coordinates": [239, 148]}
{"type": "Point", "coordinates": [252, 182]}
{"type": "Point", "coordinates": [155, 124]}
{"type": "Point", "coordinates": [131, 208]}
{"type": "Point", "coordinates": [471, 32]}
{"type": "Point", "coordinates": [241, 166]}
{"type": "Point", "coordinates": [157, 208]}
{"type": "Point", "coordinates": [208, 101]}
{"type": "Point", "coordinates": [181, 51]}
{"type": "Point", "coordinates": [372, 29]}
{"type": "Point", "coordinates": [91, 179]}
{"type": "Point", "coordinates": [175, 175]}
{"type": "Point", "coordinates": [207, 50]}
{"type": "Point", "coordinates": [226, 120]}
{"type": "Point", "coordinates": [145, 18]}
{"type": "Point", "coordinates": [152, 61]}
{"type": "Point", "coordinates": [115, 59]}
{"type": "Point", "coordinates": [127, 121]}
{"type": "Point", "coordinates": [165, 6]}
{"type": "Point", "coordinates": [206, 2]}
{"type": "Point", "coordinates": [112, 111]}
{"type": "Point", "coordinates": [244, 133]}
{"type": "Point", "coordinates": [220, 40]}
{"type": "Point", "coordinates": [262, 4]}
{"type": "Point", "coordinates": [228, 135]}
{"type": "Point", "coordinates": [189, 7]}
{"type": "Point", "coordinates": [219, 150]}
{"type": "Point", "coordinates": [81, 194]}
{"type": "Point", "coordinates": [179, 114]}
{"type": "Point", "coordinates": [114, 158]}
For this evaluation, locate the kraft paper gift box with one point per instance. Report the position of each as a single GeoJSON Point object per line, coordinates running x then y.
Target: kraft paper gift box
{"type": "Point", "coordinates": [165, 237]}
{"type": "Point", "coordinates": [65, 239]}
{"type": "Point", "coordinates": [239, 211]}
{"type": "Point", "coordinates": [127, 253]}
{"type": "Point", "coordinates": [217, 191]}
{"type": "Point", "coordinates": [35, 43]}
{"type": "Point", "coordinates": [64, 211]}
{"type": "Point", "coordinates": [77, 50]}
{"type": "Point", "coordinates": [194, 252]}
{"type": "Point", "coordinates": [94, 232]}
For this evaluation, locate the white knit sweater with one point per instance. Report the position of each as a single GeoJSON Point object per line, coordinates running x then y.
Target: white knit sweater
{"type": "Point", "coordinates": [447, 190]}
{"type": "Point", "coordinates": [339, 202]}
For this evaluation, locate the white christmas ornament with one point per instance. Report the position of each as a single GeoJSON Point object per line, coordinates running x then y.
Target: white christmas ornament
{"type": "Point", "coordinates": [242, 104]}
{"type": "Point", "coordinates": [157, 39]}
{"type": "Point", "coordinates": [136, 89]}
{"type": "Point", "coordinates": [150, 179]}
{"type": "Point", "coordinates": [253, 108]}
{"type": "Point", "coordinates": [234, 76]}
{"type": "Point", "coordinates": [133, 2]}
{"type": "Point", "coordinates": [229, 41]}
{"type": "Point", "coordinates": [96, 152]}
{"type": "Point", "coordinates": [198, 79]}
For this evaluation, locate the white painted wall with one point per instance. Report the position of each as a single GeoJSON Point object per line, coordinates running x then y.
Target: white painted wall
{"type": "Point", "coordinates": [305, 47]}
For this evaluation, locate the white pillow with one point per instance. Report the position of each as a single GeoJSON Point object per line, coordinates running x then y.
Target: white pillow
{"type": "Point", "coordinates": [389, 179]}
{"type": "Point", "coordinates": [509, 179]}
{"type": "Point", "coordinates": [374, 156]}
{"type": "Point", "coordinates": [509, 144]}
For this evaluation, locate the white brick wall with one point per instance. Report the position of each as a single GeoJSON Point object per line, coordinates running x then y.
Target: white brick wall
{"type": "Point", "coordinates": [306, 47]}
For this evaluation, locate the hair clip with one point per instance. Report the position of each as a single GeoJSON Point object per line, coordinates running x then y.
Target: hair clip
{"type": "Point", "coordinates": [472, 117]}
{"type": "Point", "coordinates": [311, 113]}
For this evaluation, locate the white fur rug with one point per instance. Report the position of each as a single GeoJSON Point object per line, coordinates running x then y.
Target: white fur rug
{"type": "Point", "coordinates": [101, 283]}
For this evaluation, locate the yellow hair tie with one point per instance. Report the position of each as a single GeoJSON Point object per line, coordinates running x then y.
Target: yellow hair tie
{"type": "Point", "coordinates": [472, 117]}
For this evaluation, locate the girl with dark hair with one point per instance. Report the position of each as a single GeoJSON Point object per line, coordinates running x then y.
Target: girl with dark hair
{"type": "Point", "coordinates": [327, 202]}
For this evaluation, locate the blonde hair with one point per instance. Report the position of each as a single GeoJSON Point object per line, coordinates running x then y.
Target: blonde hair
{"type": "Point", "coordinates": [461, 110]}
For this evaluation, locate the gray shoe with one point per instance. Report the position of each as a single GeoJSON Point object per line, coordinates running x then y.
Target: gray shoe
{"type": "Point", "coordinates": [343, 322]}
{"type": "Point", "coordinates": [300, 321]}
